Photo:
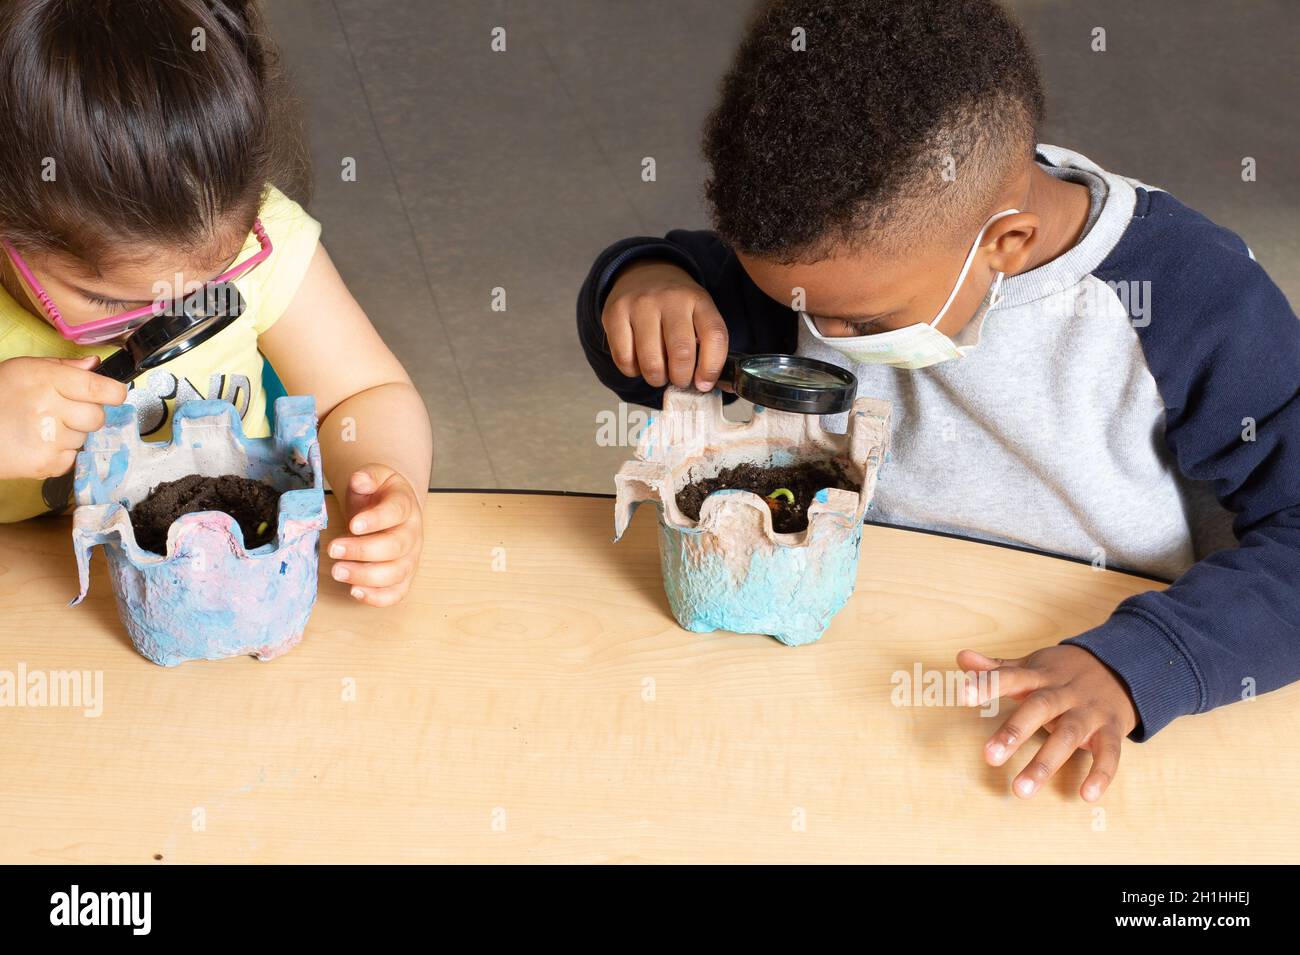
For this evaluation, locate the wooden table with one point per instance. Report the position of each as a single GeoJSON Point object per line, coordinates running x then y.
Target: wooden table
{"type": "Point", "coordinates": [533, 700]}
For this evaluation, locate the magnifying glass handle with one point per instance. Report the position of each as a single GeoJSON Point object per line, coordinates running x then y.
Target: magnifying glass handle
{"type": "Point", "coordinates": [731, 368]}
{"type": "Point", "coordinates": [56, 491]}
{"type": "Point", "coordinates": [119, 366]}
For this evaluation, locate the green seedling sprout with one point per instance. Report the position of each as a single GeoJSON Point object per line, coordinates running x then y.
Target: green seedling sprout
{"type": "Point", "coordinates": [780, 493]}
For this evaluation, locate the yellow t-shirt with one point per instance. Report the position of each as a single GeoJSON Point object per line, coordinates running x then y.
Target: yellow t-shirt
{"type": "Point", "coordinates": [227, 366]}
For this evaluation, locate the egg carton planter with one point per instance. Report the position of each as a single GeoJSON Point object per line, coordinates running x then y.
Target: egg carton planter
{"type": "Point", "coordinates": [208, 597]}
{"type": "Point", "coordinates": [729, 570]}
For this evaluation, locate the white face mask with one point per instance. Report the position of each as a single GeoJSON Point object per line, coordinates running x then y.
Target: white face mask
{"type": "Point", "coordinates": [919, 345]}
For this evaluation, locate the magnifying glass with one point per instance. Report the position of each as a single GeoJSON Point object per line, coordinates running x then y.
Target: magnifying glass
{"type": "Point", "coordinates": [791, 383]}
{"type": "Point", "coordinates": [788, 382]}
{"type": "Point", "coordinates": [183, 326]}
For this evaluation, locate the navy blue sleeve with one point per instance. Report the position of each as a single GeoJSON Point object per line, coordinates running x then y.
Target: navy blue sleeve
{"type": "Point", "coordinates": [1223, 346]}
{"type": "Point", "coordinates": [755, 323]}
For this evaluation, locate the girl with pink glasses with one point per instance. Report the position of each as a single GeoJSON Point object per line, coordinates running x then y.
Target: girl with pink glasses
{"type": "Point", "coordinates": [139, 147]}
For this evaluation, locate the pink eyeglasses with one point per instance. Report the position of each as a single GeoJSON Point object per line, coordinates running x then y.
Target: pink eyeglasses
{"type": "Point", "coordinates": [104, 329]}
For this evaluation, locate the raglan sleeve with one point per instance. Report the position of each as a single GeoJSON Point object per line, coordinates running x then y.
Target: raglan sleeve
{"type": "Point", "coordinates": [1223, 345]}
{"type": "Point", "coordinates": [755, 323]}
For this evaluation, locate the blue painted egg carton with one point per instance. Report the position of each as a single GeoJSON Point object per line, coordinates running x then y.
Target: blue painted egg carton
{"type": "Point", "coordinates": [208, 597]}
{"type": "Point", "coordinates": [730, 570]}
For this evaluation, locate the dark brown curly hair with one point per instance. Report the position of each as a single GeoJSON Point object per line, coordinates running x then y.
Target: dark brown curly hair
{"type": "Point", "coordinates": [847, 141]}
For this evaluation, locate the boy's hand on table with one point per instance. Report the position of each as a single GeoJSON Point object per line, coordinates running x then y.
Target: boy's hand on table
{"type": "Point", "coordinates": [386, 518]}
{"type": "Point", "coordinates": [662, 325]}
{"type": "Point", "coordinates": [1070, 693]}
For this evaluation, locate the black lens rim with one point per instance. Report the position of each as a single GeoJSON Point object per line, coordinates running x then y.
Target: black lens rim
{"type": "Point", "coordinates": [787, 397]}
{"type": "Point", "coordinates": [185, 325]}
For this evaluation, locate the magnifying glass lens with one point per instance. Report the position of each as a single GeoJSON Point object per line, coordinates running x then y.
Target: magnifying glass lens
{"type": "Point", "coordinates": [792, 383]}
{"type": "Point", "coordinates": [798, 375]}
{"type": "Point", "coordinates": [185, 324]}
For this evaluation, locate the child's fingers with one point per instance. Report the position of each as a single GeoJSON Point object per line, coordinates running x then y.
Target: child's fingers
{"type": "Point", "coordinates": [81, 384]}
{"type": "Point", "coordinates": [380, 596]}
{"type": "Point", "coordinates": [383, 545]}
{"type": "Point", "coordinates": [383, 511]}
{"type": "Point", "coordinates": [1008, 681]}
{"type": "Point", "coordinates": [974, 660]}
{"type": "Point", "coordinates": [618, 336]}
{"type": "Point", "coordinates": [365, 481]}
{"type": "Point", "coordinates": [61, 456]}
{"type": "Point", "coordinates": [648, 340]}
{"type": "Point", "coordinates": [1105, 746]}
{"type": "Point", "coordinates": [361, 488]}
{"type": "Point", "coordinates": [1029, 717]}
{"type": "Point", "coordinates": [1070, 732]}
{"type": "Point", "coordinates": [379, 574]}
{"type": "Point", "coordinates": [679, 343]}
{"type": "Point", "coordinates": [711, 333]}
{"type": "Point", "coordinates": [63, 438]}
{"type": "Point", "coordinates": [81, 416]}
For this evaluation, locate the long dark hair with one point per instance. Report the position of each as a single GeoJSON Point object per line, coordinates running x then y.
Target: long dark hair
{"type": "Point", "coordinates": [150, 120]}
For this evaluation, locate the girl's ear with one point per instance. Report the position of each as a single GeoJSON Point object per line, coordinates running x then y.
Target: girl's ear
{"type": "Point", "coordinates": [1011, 240]}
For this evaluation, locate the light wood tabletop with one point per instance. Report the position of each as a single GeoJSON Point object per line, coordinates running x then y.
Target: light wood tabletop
{"type": "Point", "coordinates": [533, 700]}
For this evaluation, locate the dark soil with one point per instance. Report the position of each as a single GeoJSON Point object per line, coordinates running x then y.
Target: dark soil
{"type": "Point", "coordinates": [254, 504]}
{"type": "Point", "coordinates": [803, 480]}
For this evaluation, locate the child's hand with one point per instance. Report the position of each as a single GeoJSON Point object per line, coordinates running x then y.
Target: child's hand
{"type": "Point", "coordinates": [50, 404]}
{"type": "Point", "coordinates": [655, 319]}
{"type": "Point", "coordinates": [1069, 692]}
{"type": "Point", "coordinates": [386, 515]}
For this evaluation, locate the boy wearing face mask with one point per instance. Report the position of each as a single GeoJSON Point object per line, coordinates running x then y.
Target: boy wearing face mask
{"type": "Point", "coordinates": [1078, 363]}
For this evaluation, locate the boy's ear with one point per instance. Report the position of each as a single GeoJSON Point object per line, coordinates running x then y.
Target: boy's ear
{"type": "Point", "coordinates": [1011, 240]}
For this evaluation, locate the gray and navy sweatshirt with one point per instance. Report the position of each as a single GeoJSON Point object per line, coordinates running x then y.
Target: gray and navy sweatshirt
{"type": "Point", "coordinates": [1134, 403]}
